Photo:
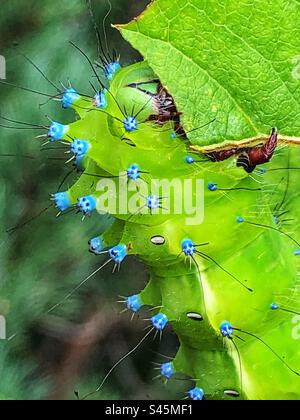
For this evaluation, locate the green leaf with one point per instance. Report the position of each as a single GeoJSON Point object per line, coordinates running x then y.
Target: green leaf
{"type": "Point", "coordinates": [234, 61]}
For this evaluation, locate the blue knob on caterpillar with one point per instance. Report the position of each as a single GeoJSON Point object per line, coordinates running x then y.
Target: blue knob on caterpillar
{"type": "Point", "coordinates": [134, 303]}
{"type": "Point", "coordinates": [130, 124]}
{"type": "Point", "coordinates": [57, 131]}
{"type": "Point", "coordinates": [167, 370]}
{"type": "Point", "coordinates": [196, 394]}
{"type": "Point", "coordinates": [86, 204]}
{"type": "Point", "coordinates": [111, 68]}
{"type": "Point", "coordinates": [188, 247]}
{"type": "Point", "coordinates": [69, 98]}
{"type": "Point", "coordinates": [118, 253]}
{"type": "Point", "coordinates": [159, 321]}
{"type": "Point", "coordinates": [226, 329]}
{"type": "Point", "coordinates": [62, 200]}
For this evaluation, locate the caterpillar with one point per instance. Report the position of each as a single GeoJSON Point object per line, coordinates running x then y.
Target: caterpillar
{"type": "Point", "coordinates": [226, 282]}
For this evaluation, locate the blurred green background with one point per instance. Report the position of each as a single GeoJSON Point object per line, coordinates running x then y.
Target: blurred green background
{"type": "Point", "coordinates": [71, 349]}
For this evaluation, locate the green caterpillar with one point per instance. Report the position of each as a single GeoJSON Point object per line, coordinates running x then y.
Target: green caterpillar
{"type": "Point", "coordinates": [226, 282]}
{"type": "Point", "coordinates": [247, 272]}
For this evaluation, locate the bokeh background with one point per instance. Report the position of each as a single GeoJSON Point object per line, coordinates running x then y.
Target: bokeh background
{"type": "Point", "coordinates": [52, 356]}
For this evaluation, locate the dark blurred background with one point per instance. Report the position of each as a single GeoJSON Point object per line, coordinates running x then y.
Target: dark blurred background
{"type": "Point", "coordinates": [71, 349]}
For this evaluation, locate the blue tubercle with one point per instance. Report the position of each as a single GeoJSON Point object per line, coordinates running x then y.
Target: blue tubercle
{"type": "Point", "coordinates": [62, 200]}
{"type": "Point", "coordinates": [173, 135]}
{"type": "Point", "coordinates": [189, 159]}
{"type": "Point", "coordinates": [69, 98]}
{"type": "Point", "coordinates": [80, 147]}
{"type": "Point", "coordinates": [274, 306]}
{"type": "Point", "coordinates": [196, 394]}
{"type": "Point", "coordinates": [118, 253]}
{"type": "Point", "coordinates": [134, 303]}
{"type": "Point", "coordinates": [212, 187]}
{"type": "Point", "coordinates": [240, 219]}
{"type": "Point", "coordinates": [152, 202]}
{"type": "Point", "coordinates": [111, 68]}
{"type": "Point", "coordinates": [130, 124]}
{"type": "Point", "coordinates": [86, 204]}
{"type": "Point", "coordinates": [276, 220]}
{"type": "Point", "coordinates": [297, 252]}
{"type": "Point", "coordinates": [226, 329]}
{"type": "Point", "coordinates": [134, 172]}
{"type": "Point", "coordinates": [167, 370]}
{"type": "Point", "coordinates": [188, 247]}
{"type": "Point", "coordinates": [96, 245]}
{"type": "Point", "coordinates": [100, 100]}
{"type": "Point", "coordinates": [159, 321]}
{"type": "Point", "coordinates": [57, 131]}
